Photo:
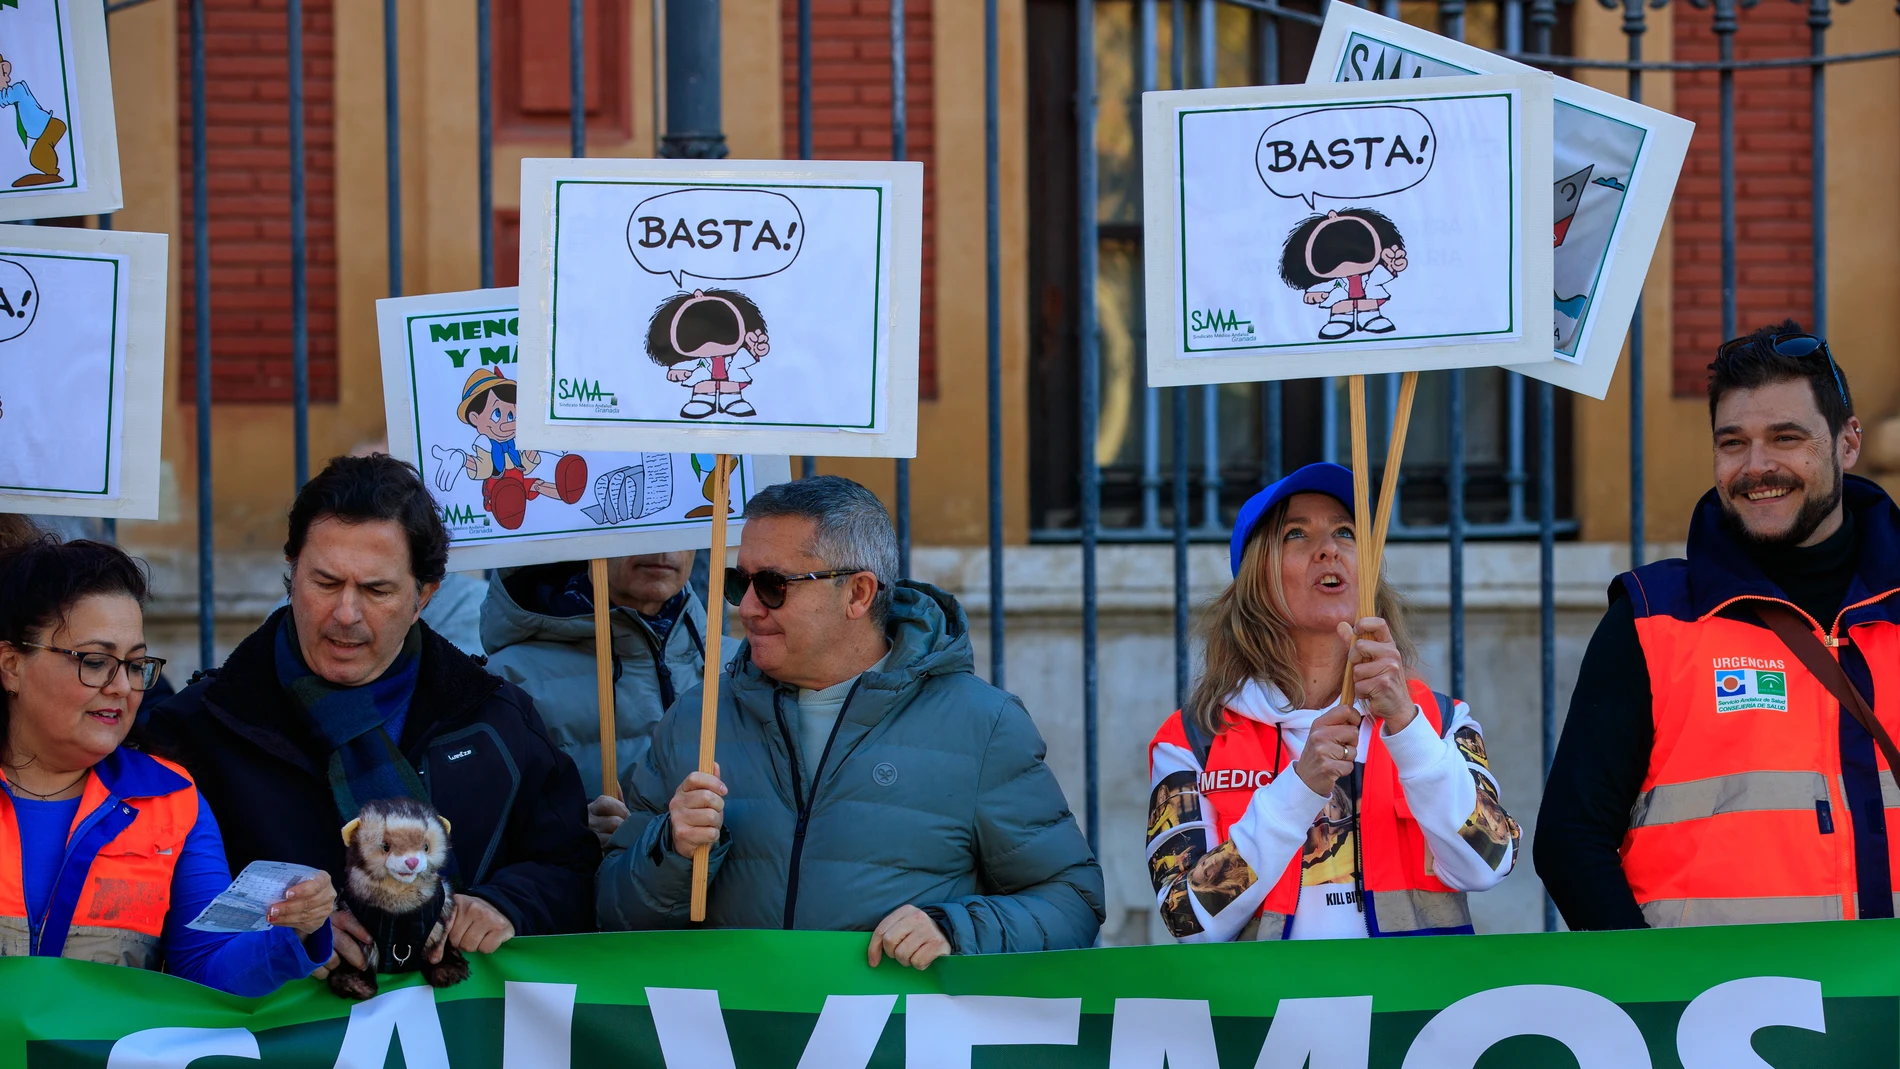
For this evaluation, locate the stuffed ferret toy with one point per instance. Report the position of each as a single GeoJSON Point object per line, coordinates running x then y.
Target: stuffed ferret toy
{"type": "Point", "coordinates": [394, 886]}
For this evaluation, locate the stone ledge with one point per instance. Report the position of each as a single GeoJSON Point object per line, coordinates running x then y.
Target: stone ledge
{"type": "Point", "coordinates": [1047, 580]}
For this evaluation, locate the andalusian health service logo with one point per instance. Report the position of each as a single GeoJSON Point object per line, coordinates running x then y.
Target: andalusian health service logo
{"type": "Point", "coordinates": [1737, 689]}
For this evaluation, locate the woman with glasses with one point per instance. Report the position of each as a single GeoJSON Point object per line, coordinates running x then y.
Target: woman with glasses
{"type": "Point", "coordinates": [1279, 812]}
{"type": "Point", "coordinates": [106, 853]}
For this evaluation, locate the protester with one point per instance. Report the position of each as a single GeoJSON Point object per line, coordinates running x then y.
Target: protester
{"type": "Point", "coordinates": [1391, 812]}
{"type": "Point", "coordinates": [455, 612]}
{"type": "Point", "coordinates": [1706, 775]}
{"type": "Point", "coordinates": [867, 779]}
{"type": "Point", "coordinates": [105, 852]}
{"type": "Point", "coordinates": [538, 628]}
{"type": "Point", "coordinates": [347, 697]}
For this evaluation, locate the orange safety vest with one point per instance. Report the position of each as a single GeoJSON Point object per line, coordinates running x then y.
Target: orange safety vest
{"type": "Point", "coordinates": [1402, 895]}
{"type": "Point", "coordinates": [114, 886]}
{"type": "Point", "coordinates": [1747, 815]}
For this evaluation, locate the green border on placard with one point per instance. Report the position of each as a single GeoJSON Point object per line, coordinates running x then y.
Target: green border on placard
{"type": "Point", "coordinates": [112, 374]}
{"type": "Point", "coordinates": [554, 301]}
{"type": "Point", "coordinates": [744, 471]}
{"type": "Point", "coordinates": [1187, 346]}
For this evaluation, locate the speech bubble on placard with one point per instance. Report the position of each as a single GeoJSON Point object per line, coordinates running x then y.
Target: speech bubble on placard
{"type": "Point", "coordinates": [719, 234]}
{"type": "Point", "coordinates": [1351, 153]}
{"type": "Point", "coordinates": [19, 300]}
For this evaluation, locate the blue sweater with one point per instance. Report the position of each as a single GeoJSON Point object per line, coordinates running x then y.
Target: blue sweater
{"type": "Point", "coordinates": [249, 963]}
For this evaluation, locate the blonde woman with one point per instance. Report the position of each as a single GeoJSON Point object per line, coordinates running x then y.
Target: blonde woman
{"type": "Point", "coordinates": [1279, 813]}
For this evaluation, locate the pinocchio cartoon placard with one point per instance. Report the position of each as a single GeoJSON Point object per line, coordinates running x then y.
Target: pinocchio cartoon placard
{"type": "Point", "coordinates": [452, 401]}
{"type": "Point", "coordinates": [1301, 231]}
{"type": "Point", "coordinates": [760, 307]}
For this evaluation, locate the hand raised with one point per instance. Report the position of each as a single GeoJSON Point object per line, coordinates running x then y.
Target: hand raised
{"type": "Point", "coordinates": [306, 905]}
{"type": "Point", "coordinates": [604, 817]}
{"type": "Point", "coordinates": [1329, 749]}
{"type": "Point", "coordinates": [758, 343]}
{"type": "Point", "coordinates": [1378, 673]}
{"type": "Point", "coordinates": [697, 812]}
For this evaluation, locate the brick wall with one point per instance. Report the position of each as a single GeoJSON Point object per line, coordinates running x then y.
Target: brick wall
{"type": "Point", "coordinates": [851, 110]}
{"type": "Point", "coordinates": [1773, 254]}
{"type": "Point", "coordinates": [248, 167]}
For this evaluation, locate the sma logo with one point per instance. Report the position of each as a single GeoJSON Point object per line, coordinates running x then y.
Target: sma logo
{"type": "Point", "coordinates": [1219, 321]}
{"type": "Point", "coordinates": [463, 516]}
{"type": "Point", "coordinates": [582, 390]}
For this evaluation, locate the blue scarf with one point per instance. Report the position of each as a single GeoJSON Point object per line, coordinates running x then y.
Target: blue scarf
{"type": "Point", "coordinates": [503, 452]}
{"type": "Point", "coordinates": [356, 723]}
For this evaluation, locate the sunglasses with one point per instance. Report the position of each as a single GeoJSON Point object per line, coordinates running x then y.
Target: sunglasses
{"type": "Point", "coordinates": [1796, 345]}
{"type": "Point", "coordinates": [771, 586]}
{"type": "Point", "coordinates": [97, 670]}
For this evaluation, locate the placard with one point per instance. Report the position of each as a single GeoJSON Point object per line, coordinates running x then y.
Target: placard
{"type": "Point", "coordinates": [82, 371]}
{"type": "Point", "coordinates": [1300, 231]}
{"type": "Point", "coordinates": [729, 307]}
{"type": "Point", "coordinates": [450, 395]}
{"type": "Point", "coordinates": [1614, 172]}
{"type": "Point", "coordinates": [62, 157]}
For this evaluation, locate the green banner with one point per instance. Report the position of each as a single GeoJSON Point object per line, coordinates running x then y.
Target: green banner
{"type": "Point", "coordinates": [1709, 998]}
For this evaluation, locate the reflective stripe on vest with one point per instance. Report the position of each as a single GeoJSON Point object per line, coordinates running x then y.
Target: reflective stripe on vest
{"type": "Point", "coordinates": [114, 887]}
{"type": "Point", "coordinates": [1743, 792]}
{"type": "Point", "coordinates": [1743, 817]}
{"type": "Point", "coordinates": [1404, 898]}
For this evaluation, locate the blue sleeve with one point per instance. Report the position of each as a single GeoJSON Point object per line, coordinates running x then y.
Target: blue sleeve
{"type": "Point", "coordinates": [251, 964]}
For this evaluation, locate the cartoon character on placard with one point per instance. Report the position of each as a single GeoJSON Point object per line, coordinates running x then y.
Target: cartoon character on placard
{"type": "Point", "coordinates": [708, 340]}
{"type": "Point", "coordinates": [503, 469]}
{"type": "Point", "coordinates": [1343, 261]}
{"type": "Point", "coordinates": [39, 129]}
{"type": "Point", "coordinates": [705, 466]}
{"type": "Point", "coordinates": [1593, 237]}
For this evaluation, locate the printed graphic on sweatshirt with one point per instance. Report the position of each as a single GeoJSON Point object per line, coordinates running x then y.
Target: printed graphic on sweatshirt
{"type": "Point", "coordinates": [1177, 839]}
{"type": "Point", "coordinates": [1489, 831]}
{"type": "Point", "coordinates": [1331, 853]}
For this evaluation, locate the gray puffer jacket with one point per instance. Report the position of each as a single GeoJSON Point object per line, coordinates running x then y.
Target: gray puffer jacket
{"type": "Point", "coordinates": [538, 628]}
{"type": "Point", "coordinates": [933, 793]}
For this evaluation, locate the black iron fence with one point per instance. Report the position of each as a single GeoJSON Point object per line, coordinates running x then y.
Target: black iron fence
{"type": "Point", "coordinates": [1156, 475]}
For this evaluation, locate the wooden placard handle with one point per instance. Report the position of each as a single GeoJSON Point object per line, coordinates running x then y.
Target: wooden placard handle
{"type": "Point", "coordinates": [715, 630]}
{"type": "Point", "coordinates": [604, 679]}
{"type": "Point", "coordinates": [1368, 584]}
{"type": "Point", "coordinates": [1372, 545]}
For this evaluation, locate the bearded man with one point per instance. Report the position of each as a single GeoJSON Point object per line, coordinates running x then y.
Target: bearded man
{"type": "Point", "coordinates": [1722, 761]}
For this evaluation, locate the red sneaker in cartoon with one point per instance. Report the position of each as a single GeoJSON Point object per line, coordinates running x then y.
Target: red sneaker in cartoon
{"type": "Point", "coordinates": [507, 499]}
{"type": "Point", "coordinates": [570, 477]}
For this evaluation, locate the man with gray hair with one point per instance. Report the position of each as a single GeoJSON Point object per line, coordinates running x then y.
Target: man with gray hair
{"type": "Point", "coordinates": [866, 779]}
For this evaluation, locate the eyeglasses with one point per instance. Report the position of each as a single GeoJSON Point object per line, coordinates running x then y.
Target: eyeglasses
{"type": "Point", "coordinates": [1797, 345]}
{"type": "Point", "coordinates": [98, 670]}
{"type": "Point", "coordinates": [771, 586]}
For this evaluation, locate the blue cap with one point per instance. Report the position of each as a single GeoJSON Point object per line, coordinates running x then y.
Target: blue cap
{"type": "Point", "coordinates": [1322, 478]}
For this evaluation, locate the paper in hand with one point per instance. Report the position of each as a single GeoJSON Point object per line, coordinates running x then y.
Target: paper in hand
{"type": "Point", "coordinates": [245, 905]}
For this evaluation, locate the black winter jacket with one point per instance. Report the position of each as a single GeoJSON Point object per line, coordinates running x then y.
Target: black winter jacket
{"type": "Point", "coordinates": [518, 819]}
